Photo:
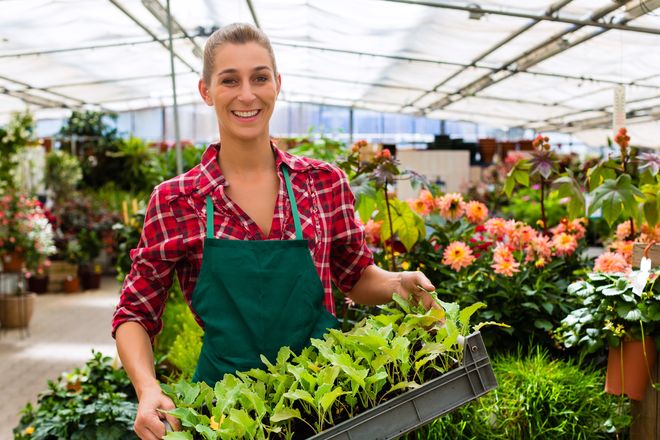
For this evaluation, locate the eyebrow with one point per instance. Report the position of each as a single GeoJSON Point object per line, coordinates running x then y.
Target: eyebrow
{"type": "Point", "coordinates": [232, 70]}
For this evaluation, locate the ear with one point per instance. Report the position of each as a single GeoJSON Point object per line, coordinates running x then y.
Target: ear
{"type": "Point", "coordinates": [204, 92]}
{"type": "Point", "coordinates": [279, 83]}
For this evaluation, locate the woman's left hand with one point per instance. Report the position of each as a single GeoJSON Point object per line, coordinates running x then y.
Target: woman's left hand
{"type": "Point", "coordinates": [418, 285]}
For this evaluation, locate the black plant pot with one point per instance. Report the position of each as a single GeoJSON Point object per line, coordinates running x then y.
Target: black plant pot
{"type": "Point", "coordinates": [90, 280]}
{"type": "Point", "coordinates": [38, 284]}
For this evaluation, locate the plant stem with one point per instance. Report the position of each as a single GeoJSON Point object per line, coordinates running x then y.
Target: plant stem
{"type": "Point", "coordinates": [545, 225]}
{"type": "Point", "coordinates": [389, 219]}
{"type": "Point", "coordinates": [632, 230]}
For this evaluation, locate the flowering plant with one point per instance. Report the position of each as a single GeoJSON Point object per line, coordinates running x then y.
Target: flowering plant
{"type": "Point", "coordinates": [25, 229]}
{"type": "Point", "coordinates": [521, 273]}
{"type": "Point", "coordinates": [616, 305]}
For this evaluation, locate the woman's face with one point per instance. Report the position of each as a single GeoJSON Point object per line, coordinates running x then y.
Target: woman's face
{"type": "Point", "coordinates": [243, 90]}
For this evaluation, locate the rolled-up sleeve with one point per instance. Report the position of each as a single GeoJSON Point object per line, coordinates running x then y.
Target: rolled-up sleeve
{"type": "Point", "coordinates": [349, 252]}
{"type": "Point", "coordinates": [145, 288]}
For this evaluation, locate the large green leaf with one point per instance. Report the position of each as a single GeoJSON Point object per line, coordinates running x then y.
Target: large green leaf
{"type": "Point", "coordinates": [569, 187]}
{"type": "Point", "coordinates": [615, 198]}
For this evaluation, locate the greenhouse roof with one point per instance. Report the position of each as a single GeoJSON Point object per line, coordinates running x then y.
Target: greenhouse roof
{"type": "Point", "coordinates": [549, 66]}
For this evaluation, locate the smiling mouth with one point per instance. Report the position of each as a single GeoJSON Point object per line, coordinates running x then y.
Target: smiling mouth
{"type": "Point", "coordinates": [248, 114]}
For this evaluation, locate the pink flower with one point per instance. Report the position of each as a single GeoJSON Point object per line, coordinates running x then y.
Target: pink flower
{"type": "Point", "coordinates": [457, 255]}
{"type": "Point", "coordinates": [522, 236]}
{"type": "Point", "coordinates": [372, 232]}
{"type": "Point", "coordinates": [611, 262]}
{"type": "Point", "coordinates": [419, 206]}
{"type": "Point", "coordinates": [623, 230]}
{"type": "Point", "coordinates": [624, 248]}
{"type": "Point", "coordinates": [506, 267]}
{"type": "Point", "coordinates": [496, 227]}
{"type": "Point", "coordinates": [451, 206]}
{"type": "Point", "coordinates": [565, 244]}
{"type": "Point", "coordinates": [476, 212]}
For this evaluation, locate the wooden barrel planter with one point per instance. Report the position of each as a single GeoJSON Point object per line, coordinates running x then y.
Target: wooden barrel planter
{"type": "Point", "coordinates": [16, 310]}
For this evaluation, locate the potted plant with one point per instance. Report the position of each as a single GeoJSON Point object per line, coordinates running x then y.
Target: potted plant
{"type": "Point", "coordinates": [63, 173]}
{"type": "Point", "coordinates": [26, 235]}
{"type": "Point", "coordinates": [90, 248]}
{"type": "Point", "coordinates": [622, 312]}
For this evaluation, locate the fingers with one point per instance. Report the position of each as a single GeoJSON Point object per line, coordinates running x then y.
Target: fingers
{"type": "Point", "coordinates": [168, 405]}
{"type": "Point", "coordinates": [151, 429]}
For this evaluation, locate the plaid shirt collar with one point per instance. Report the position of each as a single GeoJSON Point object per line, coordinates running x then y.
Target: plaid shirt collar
{"type": "Point", "coordinates": [210, 176]}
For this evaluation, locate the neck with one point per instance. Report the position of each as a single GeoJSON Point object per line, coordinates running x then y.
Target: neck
{"type": "Point", "coordinates": [239, 157]}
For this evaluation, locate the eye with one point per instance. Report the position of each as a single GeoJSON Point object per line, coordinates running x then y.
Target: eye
{"type": "Point", "coordinates": [228, 81]}
{"type": "Point", "coordinates": [262, 79]}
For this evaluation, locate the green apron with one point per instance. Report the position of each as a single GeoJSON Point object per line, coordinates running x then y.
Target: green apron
{"type": "Point", "coordinates": [254, 297]}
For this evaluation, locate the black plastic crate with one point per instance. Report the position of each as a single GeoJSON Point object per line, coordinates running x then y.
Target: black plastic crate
{"type": "Point", "coordinates": [418, 407]}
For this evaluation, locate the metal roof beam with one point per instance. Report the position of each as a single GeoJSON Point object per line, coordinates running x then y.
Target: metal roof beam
{"type": "Point", "coordinates": [550, 47]}
{"type": "Point", "coordinates": [33, 53]}
{"type": "Point", "coordinates": [547, 17]}
{"type": "Point", "coordinates": [552, 9]}
{"type": "Point", "coordinates": [253, 13]}
{"type": "Point", "coordinates": [455, 64]}
{"type": "Point", "coordinates": [151, 34]}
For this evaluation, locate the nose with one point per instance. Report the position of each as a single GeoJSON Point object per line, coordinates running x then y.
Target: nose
{"type": "Point", "coordinates": [246, 95]}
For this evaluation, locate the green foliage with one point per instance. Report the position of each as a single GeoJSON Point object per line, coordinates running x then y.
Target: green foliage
{"type": "Point", "coordinates": [612, 309]}
{"type": "Point", "coordinates": [139, 163]}
{"type": "Point", "coordinates": [187, 345]}
{"type": "Point", "coordinates": [18, 133]}
{"type": "Point", "coordinates": [537, 398]}
{"type": "Point", "coordinates": [317, 147]}
{"type": "Point", "coordinates": [617, 198]}
{"type": "Point", "coordinates": [180, 341]}
{"type": "Point", "coordinates": [95, 401]}
{"type": "Point", "coordinates": [63, 173]}
{"type": "Point", "coordinates": [190, 156]}
{"type": "Point", "coordinates": [524, 206]}
{"type": "Point", "coordinates": [407, 226]}
{"type": "Point", "coordinates": [336, 378]}
{"type": "Point", "coordinates": [128, 237]}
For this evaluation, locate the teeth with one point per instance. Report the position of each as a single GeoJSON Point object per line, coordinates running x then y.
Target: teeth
{"type": "Point", "coordinates": [246, 114]}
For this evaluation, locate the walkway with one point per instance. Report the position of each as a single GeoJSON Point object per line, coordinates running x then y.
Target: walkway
{"type": "Point", "coordinates": [64, 329]}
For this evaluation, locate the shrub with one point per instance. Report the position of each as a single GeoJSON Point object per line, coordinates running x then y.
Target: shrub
{"type": "Point", "coordinates": [95, 401]}
{"type": "Point", "coordinates": [537, 398]}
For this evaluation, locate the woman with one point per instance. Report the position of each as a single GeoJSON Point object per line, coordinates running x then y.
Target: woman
{"type": "Point", "coordinates": [256, 237]}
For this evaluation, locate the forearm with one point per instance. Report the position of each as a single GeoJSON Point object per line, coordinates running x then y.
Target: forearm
{"type": "Point", "coordinates": [137, 356]}
{"type": "Point", "coordinates": [375, 286]}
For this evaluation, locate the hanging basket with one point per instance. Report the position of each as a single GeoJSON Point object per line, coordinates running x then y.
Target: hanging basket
{"type": "Point", "coordinates": [634, 379]}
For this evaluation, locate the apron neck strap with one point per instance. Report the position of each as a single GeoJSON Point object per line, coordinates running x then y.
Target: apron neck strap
{"type": "Point", "coordinates": [294, 205]}
{"type": "Point", "coordinates": [210, 233]}
{"type": "Point", "coordinates": [294, 209]}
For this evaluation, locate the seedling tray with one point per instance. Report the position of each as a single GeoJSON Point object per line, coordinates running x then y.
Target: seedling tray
{"type": "Point", "coordinates": [420, 406]}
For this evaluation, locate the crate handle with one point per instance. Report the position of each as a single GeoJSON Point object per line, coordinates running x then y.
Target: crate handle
{"type": "Point", "coordinates": [647, 248]}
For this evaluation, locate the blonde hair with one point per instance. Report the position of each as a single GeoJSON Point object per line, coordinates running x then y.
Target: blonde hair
{"type": "Point", "coordinates": [235, 33]}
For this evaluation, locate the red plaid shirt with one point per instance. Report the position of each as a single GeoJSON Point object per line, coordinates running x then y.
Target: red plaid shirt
{"type": "Point", "coordinates": [175, 228]}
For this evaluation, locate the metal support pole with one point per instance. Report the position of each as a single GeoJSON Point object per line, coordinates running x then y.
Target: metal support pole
{"type": "Point", "coordinates": [351, 126]}
{"type": "Point", "coordinates": [175, 108]}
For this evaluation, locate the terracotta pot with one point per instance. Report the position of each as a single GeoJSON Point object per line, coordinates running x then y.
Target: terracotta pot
{"type": "Point", "coordinates": [16, 310]}
{"type": "Point", "coordinates": [71, 285]}
{"type": "Point", "coordinates": [38, 284]}
{"type": "Point", "coordinates": [13, 262]}
{"type": "Point", "coordinates": [90, 280]}
{"type": "Point", "coordinates": [634, 379]}
{"type": "Point", "coordinates": [487, 149]}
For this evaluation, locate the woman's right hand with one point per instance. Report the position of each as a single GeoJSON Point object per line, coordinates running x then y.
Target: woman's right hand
{"type": "Point", "coordinates": [149, 420]}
